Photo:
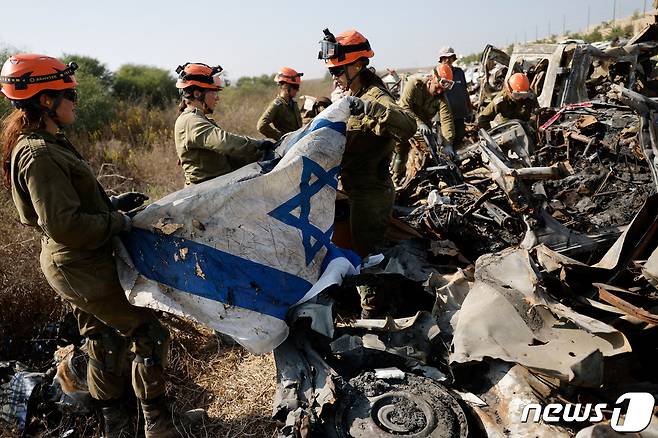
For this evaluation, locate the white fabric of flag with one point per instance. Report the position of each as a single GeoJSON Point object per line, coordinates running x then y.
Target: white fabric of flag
{"type": "Point", "coordinates": [235, 253]}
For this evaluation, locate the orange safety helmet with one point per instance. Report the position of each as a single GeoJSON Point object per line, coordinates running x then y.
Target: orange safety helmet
{"type": "Point", "coordinates": [519, 83]}
{"type": "Point", "coordinates": [443, 74]}
{"type": "Point", "coordinates": [200, 75]}
{"type": "Point", "coordinates": [443, 71]}
{"type": "Point", "coordinates": [344, 49]}
{"type": "Point", "coordinates": [288, 76]}
{"type": "Point", "coordinates": [25, 75]}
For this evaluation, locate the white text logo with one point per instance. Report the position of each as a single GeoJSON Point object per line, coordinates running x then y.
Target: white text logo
{"type": "Point", "coordinates": [635, 419]}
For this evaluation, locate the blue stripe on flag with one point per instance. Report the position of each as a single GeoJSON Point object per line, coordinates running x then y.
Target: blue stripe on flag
{"type": "Point", "coordinates": [316, 124]}
{"type": "Point", "coordinates": [324, 123]}
{"type": "Point", "coordinates": [229, 279]}
{"type": "Point", "coordinates": [335, 252]}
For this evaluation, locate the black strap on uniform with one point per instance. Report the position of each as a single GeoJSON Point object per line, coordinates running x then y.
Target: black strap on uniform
{"type": "Point", "coordinates": [96, 363]}
{"type": "Point", "coordinates": [147, 361]}
{"type": "Point", "coordinates": [21, 82]}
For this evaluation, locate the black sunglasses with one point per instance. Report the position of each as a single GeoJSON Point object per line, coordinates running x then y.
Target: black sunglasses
{"type": "Point", "coordinates": [337, 71]}
{"type": "Point", "coordinates": [70, 94]}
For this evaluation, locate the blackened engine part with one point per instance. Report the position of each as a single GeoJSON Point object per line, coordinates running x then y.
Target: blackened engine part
{"type": "Point", "coordinates": [415, 407]}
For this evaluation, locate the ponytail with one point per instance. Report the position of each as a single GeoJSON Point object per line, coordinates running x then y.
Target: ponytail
{"type": "Point", "coordinates": [369, 77]}
{"type": "Point", "coordinates": [11, 127]}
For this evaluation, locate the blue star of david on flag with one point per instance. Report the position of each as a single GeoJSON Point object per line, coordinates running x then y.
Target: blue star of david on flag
{"type": "Point", "coordinates": [302, 201]}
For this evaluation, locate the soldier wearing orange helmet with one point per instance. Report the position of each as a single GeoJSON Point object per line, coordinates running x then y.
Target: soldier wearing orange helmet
{"type": "Point", "coordinates": [370, 140]}
{"type": "Point", "coordinates": [204, 149]}
{"type": "Point", "coordinates": [516, 101]}
{"type": "Point", "coordinates": [56, 192]}
{"type": "Point", "coordinates": [424, 98]}
{"type": "Point", "coordinates": [282, 115]}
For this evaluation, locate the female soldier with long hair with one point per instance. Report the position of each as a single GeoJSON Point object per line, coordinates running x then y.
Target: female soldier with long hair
{"type": "Point", "coordinates": [371, 137]}
{"type": "Point", "coordinates": [55, 191]}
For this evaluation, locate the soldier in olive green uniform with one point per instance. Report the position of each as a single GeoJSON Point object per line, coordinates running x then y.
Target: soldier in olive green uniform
{"type": "Point", "coordinates": [282, 115]}
{"type": "Point", "coordinates": [424, 98]}
{"type": "Point", "coordinates": [316, 107]}
{"type": "Point", "coordinates": [370, 140]}
{"type": "Point", "coordinates": [516, 101]}
{"type": "Point", "coordinates": [54, 190]}
{"type": "Point", "coordinates": [204, 149]}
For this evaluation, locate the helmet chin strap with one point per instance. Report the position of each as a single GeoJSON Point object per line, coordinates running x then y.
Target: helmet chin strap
{"type": "Point", "coordinates": [351, 79]}
{"type": "Point", "coordinates": [204, 105]}
{"type": "Point", "coordinates": [206, 108]}
{"type": "Point", "coordinates": [52, 111]}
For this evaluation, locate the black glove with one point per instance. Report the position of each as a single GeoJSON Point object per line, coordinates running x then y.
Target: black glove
{"type": "Point", "coordinates": [357, 106]}
{"type": "Point", "coordinates": [128, 201]}
{"type": "Point", "coordinates": [264, 145]}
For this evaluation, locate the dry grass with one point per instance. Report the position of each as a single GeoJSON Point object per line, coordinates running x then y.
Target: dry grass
{"type": "Point", "coordinates": [234, 387]}
{"type": "Point", "coordinates": [239, 109]}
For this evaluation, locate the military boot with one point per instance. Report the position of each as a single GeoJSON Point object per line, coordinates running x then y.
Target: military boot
{"type": "Point", "coordinates": [157, 419]}
{"type": "Point", "coordinates": [119, 423]}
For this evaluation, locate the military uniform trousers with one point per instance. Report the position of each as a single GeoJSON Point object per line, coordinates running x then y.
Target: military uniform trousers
{"type": "Point", "coordinates": [118, 333]}
{"type": "Point", "coordinates": [370, 216]}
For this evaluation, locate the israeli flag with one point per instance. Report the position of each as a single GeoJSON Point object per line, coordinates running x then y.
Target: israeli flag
{"type": "Point", "coordinates": [235, 253]}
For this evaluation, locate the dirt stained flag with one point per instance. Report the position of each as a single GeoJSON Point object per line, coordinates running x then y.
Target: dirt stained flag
{"type": "Point", "coordinates": [235, 253]}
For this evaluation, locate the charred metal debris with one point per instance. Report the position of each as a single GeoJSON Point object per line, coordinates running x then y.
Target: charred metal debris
{"type": "Point", "coordinates": [522, 272]}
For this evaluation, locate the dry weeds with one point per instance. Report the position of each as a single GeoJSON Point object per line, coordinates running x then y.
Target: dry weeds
{"type": "Point", "coordinates": [234, 387]}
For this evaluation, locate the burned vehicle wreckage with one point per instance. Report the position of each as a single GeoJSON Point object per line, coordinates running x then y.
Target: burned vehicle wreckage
{"type": "Point", "coordinates": [523, 273]}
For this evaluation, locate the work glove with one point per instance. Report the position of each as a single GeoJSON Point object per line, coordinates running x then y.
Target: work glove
{"type": "Point", "coordinates": [423, 129]}
{"type": "Point", "coordinates": [449, 151]}
{"type": "Point", "coordinates": [357, 105]}
{"type": "Point", "coordinates": [127, 224]}
{"type": "Point", "coordinates": [264, 145]}
{"type": "Point", "coordinates": [127, 201]}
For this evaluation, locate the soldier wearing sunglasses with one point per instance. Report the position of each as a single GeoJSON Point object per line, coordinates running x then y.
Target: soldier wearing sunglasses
{"type": "Point", "coordinates": [56, 192]}
{"type": "Point", "coordinates": [371, 136]}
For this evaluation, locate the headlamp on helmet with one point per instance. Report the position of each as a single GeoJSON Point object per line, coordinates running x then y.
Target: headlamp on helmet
{"type": "Point", "coordinates": [328, 46]}
{"type": "Point", "coordinates": [333, 51]}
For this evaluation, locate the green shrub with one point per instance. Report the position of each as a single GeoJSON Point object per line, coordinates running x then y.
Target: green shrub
{"type": "Point", "coordinates": [152, 85]}
{"type": "Point", "coordinates": [96, 105]}
{"type": "Point", "coordinates": [91, 66]}
{"type": "Point", "coordinates": [473, 57]}
{"type": "Point", "coordinates": [250, 81]}
{"type": "Point", "coordinates": [5, 52]}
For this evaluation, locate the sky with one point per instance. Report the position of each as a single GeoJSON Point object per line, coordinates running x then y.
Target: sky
{"type": "Point", "coordinates": [257, 37]}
